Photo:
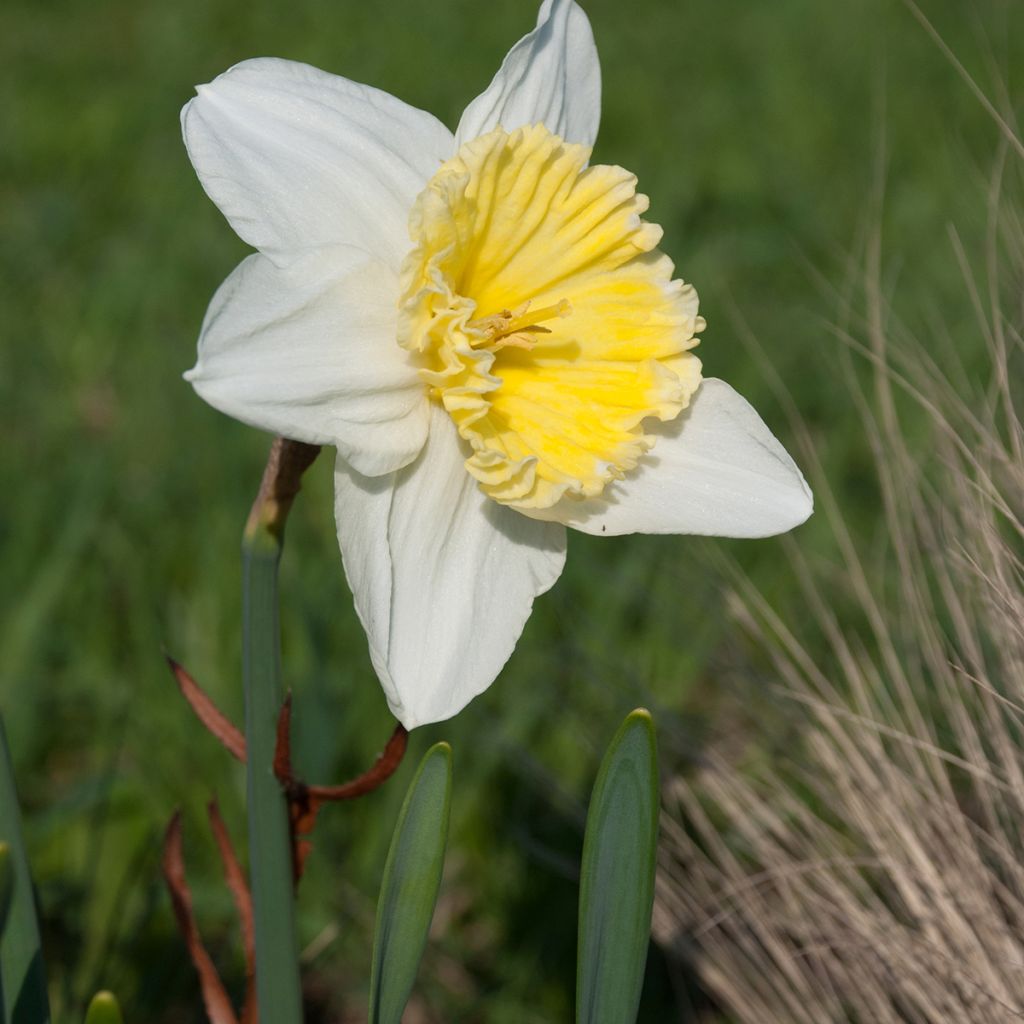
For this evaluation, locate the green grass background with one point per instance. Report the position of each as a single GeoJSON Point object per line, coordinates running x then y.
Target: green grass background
{"type": "Point", "coordinates": [758, 129]}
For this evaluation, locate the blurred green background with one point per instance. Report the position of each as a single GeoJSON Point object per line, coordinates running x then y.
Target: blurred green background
{"type": "Point", "coordinates": [761, 131]}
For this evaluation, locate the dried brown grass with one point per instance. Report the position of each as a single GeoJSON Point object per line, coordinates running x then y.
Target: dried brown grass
{"type": "Point", "coordinates": [877, 873]}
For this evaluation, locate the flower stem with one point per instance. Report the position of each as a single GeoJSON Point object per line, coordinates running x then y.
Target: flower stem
{"type": "Point", "coordinates": [278, 986]}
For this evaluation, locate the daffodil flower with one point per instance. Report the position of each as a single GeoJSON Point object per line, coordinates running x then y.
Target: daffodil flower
{"type": "Point", "coordinates": [484, 328]}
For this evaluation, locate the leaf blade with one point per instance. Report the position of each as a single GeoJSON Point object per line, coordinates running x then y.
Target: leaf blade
{"type": "Point", "coordinates": [617, 877]}
{"type": "Point", "coordinates": [25, 999]}
{"type": "Point", "coordinates": [6, 883]}
{"type": "Point", "coordinates": [409, 888]}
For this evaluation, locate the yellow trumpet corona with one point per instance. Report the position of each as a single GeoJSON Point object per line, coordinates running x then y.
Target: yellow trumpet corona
{"type": "Point", "coordinates": [543, 317]}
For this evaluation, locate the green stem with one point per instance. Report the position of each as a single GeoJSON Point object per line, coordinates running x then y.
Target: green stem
{"type": "Point", "coordinates": [278, 985]}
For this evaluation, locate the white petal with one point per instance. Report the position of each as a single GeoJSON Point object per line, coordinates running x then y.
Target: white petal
{"type": "Point", "coordinates": [443, 578]}
{"type": "Point", "coordinates": [309, 352]}
{"type": "Point", "coordinates": [551, 76]}
{"type": "Point", "coordinates": [716, 470]}
{"type": "Point", "coordinates": [296, 158]}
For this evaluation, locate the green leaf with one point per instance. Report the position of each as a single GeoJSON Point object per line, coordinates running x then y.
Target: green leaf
{"type": "Point", "coordinates": [23, 976]}
{"type": "Point", "coordinates": [104, 1009]}
{"type": "Point", "coordinates": [6, 884]}
{"type": "Point", "coordinates": [617, 878]}
{"type": "Point", "coordinates": [412, 878]}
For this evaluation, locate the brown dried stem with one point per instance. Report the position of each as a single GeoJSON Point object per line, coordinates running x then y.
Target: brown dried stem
{"type": "Point", "coordinates": [215, 998]}
{"type": "Point", "coordinates": [305, 801]}
{"type": "Point", "coordinates": [282, 480]}
{"type": "Point", "coordinates": [216, 722]}
{"type": "Point", "coordinates": [239, 888]}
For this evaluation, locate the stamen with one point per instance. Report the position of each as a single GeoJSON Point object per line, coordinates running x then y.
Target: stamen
{"type": "Point", "coordinates": [523, 320]}
{"type": "Point", "coordinates": [511, 328]}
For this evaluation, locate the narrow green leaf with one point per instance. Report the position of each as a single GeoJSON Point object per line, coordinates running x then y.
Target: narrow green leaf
{"type": "Point", "coordinates": [6, 884]}
{"type": "Point", "coordinates": [617, 877]}
{"type": "Point", "coordinates": [408, 893]}
{"type": "Point", "coordinates": [6, 899]}
{"type": "Point", "coordinates": [278, 985]}
{"type": "Point", "coordinates": [104, 1009]}
{"type": "Point", "coordinates": [23, 976]}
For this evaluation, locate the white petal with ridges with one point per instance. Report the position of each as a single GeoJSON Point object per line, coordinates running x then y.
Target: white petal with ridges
{"type": "Point", "coordinates": [297, 158]}
{"type": "Point", "coordinates": [443, 578]}
{"type": "Point", "coordinates": [551, 76]}
{"type": "Point", "coordinates": [716, 470]}
{"type": "Point", "coordinates": [309, 352]}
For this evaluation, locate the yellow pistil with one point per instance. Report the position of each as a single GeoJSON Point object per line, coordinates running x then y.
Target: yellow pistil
{"type": "Point", "coordinates": [591, 334]}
